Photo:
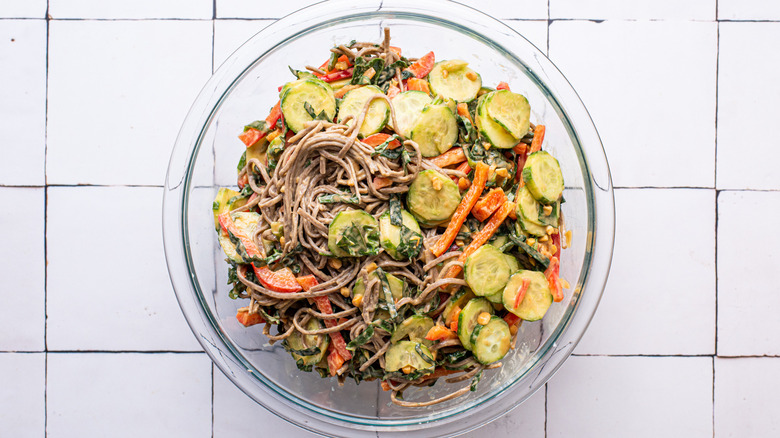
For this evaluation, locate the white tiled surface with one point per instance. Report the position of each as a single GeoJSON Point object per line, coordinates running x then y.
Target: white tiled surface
{"type": "Point", "coordinates": [685, 342]}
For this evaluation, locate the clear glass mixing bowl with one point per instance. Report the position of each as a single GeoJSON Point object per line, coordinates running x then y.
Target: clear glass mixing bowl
{"type": "Point", "coordinates": [205, 155]}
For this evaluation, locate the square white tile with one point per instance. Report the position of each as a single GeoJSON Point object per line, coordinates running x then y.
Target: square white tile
{"type": "Point", "coordinates": [108, 287]}
{"type": "Point", "coordinates": [23, 268]}
{"type": "Point", "coordinates": [22, 101]}
{"type": "Point", "coordinates": [632, 397]}
{"type": "Point", "coordinates": [746, 397]}
{"type": "Point", "coordinates": [650, 88]}
{"type": "Point", "coordinates": [232, 409]}
{"type": "Point", "coordinates": [229, 35]}
{"type": "Point", "coordinates": [128, 395]}
{"type": "Point", "coordinates": [118, 93]}
{"type": "Point", "coordinates": [748, 278]}
{"type": "Point", "coordinates": [748, 10]}
{"type": "Point", "coordinates": [534, 31]}
{"type": "Point", "coordinates": [635, 10]}
{"type": "Point", "coordinates": [660, 298]}
{"type": "Point", "coordinates": [23, 9]}
{"type": "Point", "coordinates": [747, 94]}
{"type": "Point", "coordinates": [181, 9]}
{"type": "Point", "coordinates": [22, 395]}
{"type": "Point", "coordinates": [528, 419]}
{"type": "Point", "coordinates": [256, 9]}
{"type": "Point", "coordinates": [528, 9]}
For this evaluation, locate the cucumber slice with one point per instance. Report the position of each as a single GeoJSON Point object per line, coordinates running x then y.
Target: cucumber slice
{"type": "Point", "coordinates": [408, 107]}
{"type": "Point", "coordinates": [511, 111]}
{"type": "Point", "coordinates": [492, 131]}
{"type": "Point", "coordinates": [468, 319]}
{"type": "Point", "coordinates": [533, 211]}
{"type": "Point", "coordinates": [487, 271]}
{"type": "Point", "coordinates": [298, 343]}
{"type": "Point", "coordinates": [296, 94]}
{"type": "Point", "coordinates": [528, 214]}
{"type": "Point", "coordinates": [496, 298]}
{"type": "Point", "coordinates": [407, 353]}
{"type": "Point", "coordinates": [337, 85]}
{"type": "Point", "coordinates": [225, 200]}
{"type": "Point", "coordinates": [390, 235]}
{"type": "Point", "coordinates": [245, 221]}
{"type": "Point", "coordinates": [538, 297]}
{"type": "Point", "coordinates": [353, 233]}
{"type": "Point", "coordinates": [460, 299]}
{"type": "Point", "coordinates": [491, 341]}
{"type": "Point", "coordinates": [500, 241]}
{"type": "Point", "coordinates": [353, 104]}
{"type": "Point", "coordinates": [435, 130]}
{"type": "Point", "coordinates": [543, 177]}
{"type": "Point", "coordinates": [433, 197]}
{"type": "Point", "coordinates": [415, 328]}
{"type": "Point", "coordinates": [460, 83]}
{"type": "Point", "coordinates": [396, 286]}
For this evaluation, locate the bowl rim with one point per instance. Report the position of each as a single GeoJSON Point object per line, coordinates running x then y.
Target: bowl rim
{"type": "Point", "coordinates": [596, 179]}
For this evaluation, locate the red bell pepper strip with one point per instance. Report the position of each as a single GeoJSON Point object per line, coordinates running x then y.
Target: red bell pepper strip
{"type": "Point", "coordinates": [248, 319]}
{"type": "Point", "coordinates": [440, 333]}
{"type": "Point", "coordinates": [335, 361]}
{"type": "Point", "coordinates": [463, 110]}
{"type": "Point", "coordinates": [521, 293]}
{"type": "Point", "coordinates": [512, 319]}
{"type": "Point", "coordinates": [481, 237]}
{"type": "Point", "coordinates": [276, 114]}
{"type": "Point", "coordinates": [488, 204]}
{"type": "Point", "coordinates": [251, 137]}
{"type": "Point", "coordinates": [337, 75]}
{"type": "Point", "coordinates": [536, 143]}
{"type": "Point", "coordinates": [375, 140]}
{"type": "Point", "coordinates": [323, 304]}
{"type": "Point", "coordinates": [282, 280]}
{"type": "Point", "coordinates": [393, 91]}
{"type": "Point", "coordinates": [454, 155]}
{"type": "Point", "coordinates": [552, 274]}
{"type": "Point", "coordinates": [423, 66]}
{"type": "Point", "coordinates": [502, 86]}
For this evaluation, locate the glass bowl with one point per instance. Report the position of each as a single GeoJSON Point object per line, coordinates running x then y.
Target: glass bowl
{"type": "Point", "coordinates": [205, 156]}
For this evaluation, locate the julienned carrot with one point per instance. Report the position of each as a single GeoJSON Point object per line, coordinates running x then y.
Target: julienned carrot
{"type": "Point", "coordinates": [552, 274]}
{"type": "Point", "coordinates": [482, 236]}
{"type": "Point", "coordinates": [423, 65]}
{"type": "Point", "coordinates": [521, 150]}
{"type": "Point", "coordinates": [323, 304]}
{"type": "Point", "coordinates": [462, 212]}
{"type": "Point", "coordinates": [521, 293]}
{"type": "Point", "coordinates": [282, 280]}
{"type": "Point", "coordinates": [488, 204]}
{"type": "Point", "coordinates": [454, 155]}
{"type": "Point", "coordinates": [335, 360]}
{"type": "Point", "coordinates": [377, 139]}
{"type": "Point", "coordinates": [343, 90]}
{"type": "Point", "coordinates": [463, 110]}
{"type": "Point", "coordinates": [248, 319]}
{"type": "Point", "coordinates": [392, 92]}
{"type": "Point", "coordinates": [454, 316]}
{"type": "Point", "coordinates": [440, 333]}
{"type": "Point", "coordinates": [418, 85]}
{"type": "Point", "coordinates": [464, 167]}
{"type": "Point", "coordinates": [536, 144]}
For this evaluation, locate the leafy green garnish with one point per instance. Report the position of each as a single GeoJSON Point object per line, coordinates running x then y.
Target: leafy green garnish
{"type": "Point", "coordinates": [260, 125]}
{"type": "Point", "coordinates": [360, 240]}
{"type": "Point", "coordinates": [310, 110]}
{"type": "Point", "coordinates": [389, 299]}
{"type": "Point", "coordinates": [385, 151]}
{"type": "Point", "coordinates": [300, 74]}
{"type": "Point", "coordinates": [241, 162]}
{"type": "Point", "coordinates": [362, 338]}
{"type": "Point", "coordinates": [475, 381]}
{"type": "Point", "coordinates": [333, 198]}
{"type": "Point", "coordinates": [395, 211]}
{"type": "Point", "coordinates": [411, 243]}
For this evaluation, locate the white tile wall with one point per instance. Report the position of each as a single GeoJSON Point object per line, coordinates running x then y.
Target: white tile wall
{"type": "Point", "coordinates": [97, 94]}
{"type": "Point", "coordinates": [22, 101]}
{"type": "Point", "coordinates": [660, 298]}
{"type": "Point", "coordinates": [747, 94]}
{"type": "Point", "coordinates": [22, 394]}
{"type": "Point", "coordinates": [674, 110]}
{"type": "Point", "coordinates": [128, 395]}
{"type": "Point", "coordinates": [748, 276]}
{"type": "Point", "coordinates": [22, 313]}
{"type": "Point", "coordinates": [632, 397]}
{"type": "Point", "coordinates": [121, 86]}
{"type": "Point", "coordinates": [746, 397]}
{"type": "Point", "coordinates": [108, 288]}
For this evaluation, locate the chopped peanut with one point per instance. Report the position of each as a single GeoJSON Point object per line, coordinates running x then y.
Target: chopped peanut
{"type": "Point", "coordinates": [358, 300]}
{"type": "Point", "coordinates": [281, 240]}
{"type": "Point", "coordinates": [483, 318]}
{"type": "Point", "coordinates": [544, 238]}
{"type": "Point", "coordinates": [513, 329]}
{"type": "Point", "coordinates": [436, 183]}
{"type": "Point", "coordinates": [530, 241]}
{"type": "Point", "coordinates": [444, 73]}
{"type": "Point", "coordinates": [550, 230]}
{"type": "Point", "coordinates": [547, 210]}
{"type": "Point", "coordinates": [564, 283]}
{"type": "Point", "coordinates": [371, 268]}
{"type": "Point", "coordinates": [334, 263]}
{"type": "Point", "coordinates": [408, 369]}
{"type": "Point", "coordinates": [567, 240]}
{"type": "Point", "coordinates": [502, 172]}
{"type": "Point", "coordinates": [471, 76]}
{"type": "Point", "coordinates": [486, 145]}
{"type": "Point", "coordinates": [341, 65]}
{"type": "Point", "coordinates": [464, 184]}
{"type": "Point", "coordinates": [281, 189]}
{"type": "Point", "coordinates": [345, 292]}
{"type": "Point", "coordinates": [459, 243]}
{"type": "Point", "coordinates": [553, 248]}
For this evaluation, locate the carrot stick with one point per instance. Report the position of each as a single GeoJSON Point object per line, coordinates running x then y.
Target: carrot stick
{"type": "Point", "coordinates": [418, 85]}
{"type": "Point", "coordinates": [454, 155]}
{"type": "Point", "coordinates": [391, 93]}
{"type": "Point", "coordinates": [248, 319]}
{"type": "Point", "coordinates": [423, 65]}
{"type": "Point", "coordinates": [482, 236]}
{"type": "Point", "coordinates": [343, 90]}
{"type": "Point", "coordinates": [375, 140]}
{"type": "Point", "coordinates": [552, 273]}
{"type": "Point", "coordinates": [323, 304]}
{"type": "Point", "coordinates": [488, 204]}
{"type": "Point", "coordinates": [464, 167]}
{"type": "Point", "coordinates": [463, 110]}
{"type": "Point", "coordinates": [536, 144]}
{"type": "Point", "coordinates": [465, 206]}
{"type": "Point", "coordinates": [440, 333]}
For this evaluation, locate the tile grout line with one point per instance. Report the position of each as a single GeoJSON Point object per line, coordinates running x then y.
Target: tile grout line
{"type": "Point", "coordinates": [717, 195]}
{"type": "Point", "coordinates": [713, 397]}
{"type": "Point", "coordinates": [545, 408]}
{"type": "Point", "coordinates": [45, 233]}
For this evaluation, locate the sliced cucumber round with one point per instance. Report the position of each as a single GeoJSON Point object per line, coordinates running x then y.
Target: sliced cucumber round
{"type": "Point", "coordinates": [468, 319]}
{"type": "Point", "coordinates": [247, 223]}
{"type": "Point", "coordinates": [396, 286]}
{"type": "Point", "coordinates": [353, 233]}
{"type": "Point", "coordinates": [435, 130]}
{"type": "Point", "coordinates": [511, 111]}
{"type": "Point", "coordinates": [390, 235]}
{"type": "Point", "coordinates": [433, 197]}
{"type": "Point", "coordinates": [491, 341]}
{"type": "Point", "coordinates": [295, 97]}
{"type": "Point", "coordinates": [408, 106]}
{"type": "Point", "coordinates": [353, 104]}
{"type": "Point", "coordinates": [317, 345]}
{"type": "Point", "coordinates": [524, 226]}
{"type": "Point", "coordinates": [459, 83]}
{"type": "Point", "coordinates": [407, 353]}
{"type": "Point", "coordinates": [492, 131]}
{"type": "Point", "coordinates": [532, 211]}
{"type": "Point", "coordinates": [543, 177]}
{"type": "Point", "coordinates": [538, 297]}
{"type": "Point", "coordinates": [487, 271]}
{"type": "Point", "coordinates": [461, 297]}
{"type": "Point", "coordinates": [415, 328]}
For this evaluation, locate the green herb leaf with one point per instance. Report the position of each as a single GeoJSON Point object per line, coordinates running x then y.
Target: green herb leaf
{"type": "Point", "coordinates": [395, 211]}
{"type": "Point", "coordinates": [260, 125]}
{"type": "Point", "coordinates": [359, 240]}
{"type": "Point", "coordinates": [241, 162]}
{"type": "Point", "coordinates": [338, 198]}
{"type": "Point", "coordinates": [362, 338]}
{"type": "Point", "coordinates": [475, 381]}
{"type": "Point", "coordinates": [389, 299]}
